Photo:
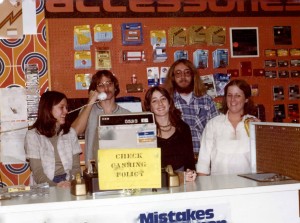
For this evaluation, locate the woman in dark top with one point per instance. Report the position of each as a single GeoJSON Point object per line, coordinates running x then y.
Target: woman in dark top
{"type": "Point", "coordinates": [173, 135]}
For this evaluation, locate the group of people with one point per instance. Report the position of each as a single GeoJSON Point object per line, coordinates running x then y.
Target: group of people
{"type": "Point", "coordinates": [193, 135]}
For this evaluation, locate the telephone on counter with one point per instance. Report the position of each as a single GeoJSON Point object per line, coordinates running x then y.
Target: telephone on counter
{"type": "Point", "coordinates": [90, 176]}
{"type": "Point", "coordinates": [78, 186]}
{"type": "Point", "coordinates": [171, 178]}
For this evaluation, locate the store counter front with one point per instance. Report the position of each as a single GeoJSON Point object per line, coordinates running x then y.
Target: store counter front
{"type": "Point", "coordinates": [210, 199]}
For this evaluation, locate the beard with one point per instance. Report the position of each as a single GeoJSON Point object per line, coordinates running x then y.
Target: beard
{"type": "Point", "coordinates": [184, 90]}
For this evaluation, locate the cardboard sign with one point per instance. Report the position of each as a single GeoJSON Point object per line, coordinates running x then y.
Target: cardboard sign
{"type": "Point", "coordinates": [129, 168]}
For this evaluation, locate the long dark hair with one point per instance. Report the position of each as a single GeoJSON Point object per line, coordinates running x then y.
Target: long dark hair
{"type": "Point", "coordinates": [46, 123]}
{"type": "Point", "coordinates": [104, 73]}
{"type": "Point", "coordinates": [249, 107]}
{"type": "Point", "coordinates": [174, 113]}
{"type": "Point", "coordinates": [199, 88]}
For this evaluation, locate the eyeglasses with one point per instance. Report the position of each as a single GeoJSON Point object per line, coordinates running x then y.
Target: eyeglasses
{"type": "Point", "coordinates": [181, 73]}
{"type": "Point", "coordinates": [105, 84]}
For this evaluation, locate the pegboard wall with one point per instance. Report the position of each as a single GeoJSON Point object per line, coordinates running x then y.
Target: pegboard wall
{"type": "Point", "coordinates": [274, 154]}
{"type": "Point", "coordinates": [61, 54]}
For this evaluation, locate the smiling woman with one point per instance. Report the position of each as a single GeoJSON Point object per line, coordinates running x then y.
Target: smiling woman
{"type": "Point", "coordinates": [225, 143]}
{"type": "Point", "coordinates": [173, 135]}
{"type": "Point", "coordinates": [51, 145]}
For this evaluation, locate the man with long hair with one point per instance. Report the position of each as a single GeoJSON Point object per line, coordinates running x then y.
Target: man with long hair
{"type": "Point", "coordinates": [103, 81]}
{"type": "Point", "coordinates": [189, 94]}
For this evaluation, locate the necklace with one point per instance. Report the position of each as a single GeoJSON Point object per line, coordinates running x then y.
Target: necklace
{"type": "Point", "coordinates": [164, 129]}
{"type": "Point", "coordinates": [164, 126]}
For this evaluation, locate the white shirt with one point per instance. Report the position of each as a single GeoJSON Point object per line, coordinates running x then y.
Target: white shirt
{"type": "Point", "coordinates": [38, 146]}
{"type": "Point", "coordinates": [224, 150]}
{"type": "Point", "coordinates": [187, 97]}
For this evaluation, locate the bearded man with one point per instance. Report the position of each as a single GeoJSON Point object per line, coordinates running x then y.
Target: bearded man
{"type": "Point", "coordinates": [189, 94]}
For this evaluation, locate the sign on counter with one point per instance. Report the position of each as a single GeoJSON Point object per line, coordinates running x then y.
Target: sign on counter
{"type": "Point", "coordinates": [129, 168]}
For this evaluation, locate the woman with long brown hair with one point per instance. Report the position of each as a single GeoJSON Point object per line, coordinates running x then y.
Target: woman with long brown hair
{"type": "Point", "coordinates": [51, 145]}
{"type": "Point", "coordinates": [173, 135]}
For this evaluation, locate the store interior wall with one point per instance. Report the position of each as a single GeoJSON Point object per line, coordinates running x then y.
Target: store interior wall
{"type": "Point", "coordinates": [61, 52]}
{"type": "Point", "coordinates": [59, 73]}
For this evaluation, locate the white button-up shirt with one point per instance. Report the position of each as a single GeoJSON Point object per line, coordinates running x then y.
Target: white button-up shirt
{"type": "Point", "coordinates": [224, 150]}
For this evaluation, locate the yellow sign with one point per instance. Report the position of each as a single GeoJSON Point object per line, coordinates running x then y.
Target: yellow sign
{"type": "Point", "coordinates": [129, 168]}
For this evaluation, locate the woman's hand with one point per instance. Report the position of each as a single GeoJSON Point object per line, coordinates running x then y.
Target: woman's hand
{"type": "Point", "coordinates": [247, 125]}
{"type": "Point", "coordinates": [64, 184]}
{"type": "Point", "coordinates": [254, 119]}
{"type": "Point", "coordinates": [190, 175]}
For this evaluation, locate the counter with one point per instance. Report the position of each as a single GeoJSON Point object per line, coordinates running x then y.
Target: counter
{"type": "Point", "coordinates": [219, 199]}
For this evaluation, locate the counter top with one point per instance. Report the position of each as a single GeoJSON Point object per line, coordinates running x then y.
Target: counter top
{"type": "Point", "coordinates": [205, 186]}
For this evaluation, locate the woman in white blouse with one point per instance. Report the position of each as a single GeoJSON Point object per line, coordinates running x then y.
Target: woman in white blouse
{"type": "Point", "coordinates": [225, 143]}
{"type": "Point", "coordinates": [51, 145]}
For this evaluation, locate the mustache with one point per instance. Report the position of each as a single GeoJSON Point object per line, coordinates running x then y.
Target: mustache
{"type": "Point", "coordinates": [186, 89]}
{"type": "Point", "coordinates": [183, 80]}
